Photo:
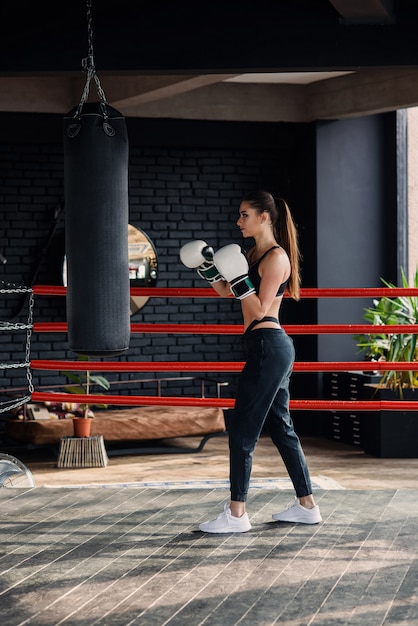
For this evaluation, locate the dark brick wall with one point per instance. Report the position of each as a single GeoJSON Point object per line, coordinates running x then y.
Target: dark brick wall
{"type": "Point", "coordinates": [186, 181]}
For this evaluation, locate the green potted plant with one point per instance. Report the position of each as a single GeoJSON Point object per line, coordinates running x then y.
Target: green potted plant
{"type": "Point", "coordinates": [394, 347]}
{"type": "Point", "coordinates": [82, 384]}
{"type": "Point", "coordinates": [393, 433]}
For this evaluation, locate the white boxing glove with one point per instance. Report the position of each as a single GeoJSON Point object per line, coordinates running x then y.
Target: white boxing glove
{"type": "Point", "coordinates": [233, 266]}
{"type": "Point", "coordinates": [199, 256]}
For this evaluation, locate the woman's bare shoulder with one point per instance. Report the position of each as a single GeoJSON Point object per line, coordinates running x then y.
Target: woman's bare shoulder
{"type": "Point", "coordinates": [277, 262]}
{"type": "Point", "coordinates": [277, 255]}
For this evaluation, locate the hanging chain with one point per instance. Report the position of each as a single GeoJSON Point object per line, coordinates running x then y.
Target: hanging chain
{"type": "Point", "coordinates": [28, 340]}
{"type": "Point", "coordinates": [88, 66]}
{"type": "Point", "coordinates": [8, 326]}
{"type": "Point", "coordinates": [13, 288]}
{"type": "Point", "coordinates": [8, 405]}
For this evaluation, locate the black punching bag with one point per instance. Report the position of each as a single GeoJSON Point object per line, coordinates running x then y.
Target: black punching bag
{"type": "Point", "coordinates": [96, 230]}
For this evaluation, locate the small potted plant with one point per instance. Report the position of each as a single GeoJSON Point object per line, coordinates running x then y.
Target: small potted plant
{"type": "Point", "coordinates": [393, 433]}
{"type": "Point", "coordinates": [83, 383]}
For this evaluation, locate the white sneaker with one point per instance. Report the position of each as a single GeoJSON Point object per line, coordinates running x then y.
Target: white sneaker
{"type": "Point", "coordinates": [295, 512]}
{"type": "Point", "coordinates": [227, 523]}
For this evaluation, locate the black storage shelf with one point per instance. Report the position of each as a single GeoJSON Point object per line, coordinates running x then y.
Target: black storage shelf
{"type": "Point", "coordinates": [347, 426]}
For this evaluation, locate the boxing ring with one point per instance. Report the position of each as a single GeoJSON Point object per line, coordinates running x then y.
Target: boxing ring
{"type": "Point", "coordinates": [226, 366]}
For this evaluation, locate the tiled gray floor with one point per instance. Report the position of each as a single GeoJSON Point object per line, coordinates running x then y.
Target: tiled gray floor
{"type": "Point", "coordinates": [135, 556]}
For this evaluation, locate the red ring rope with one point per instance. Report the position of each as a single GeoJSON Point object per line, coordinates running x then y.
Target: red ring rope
{"type": "Point", "coordinates": [205, 292]}
{"type": "Point", "coordinates": [313, 405]}
{"type": "Point", "coordinates": [229, 329]}
{"type": "Point", "coordinates": [155, 366]}
{"type": "Point", "coordinates": [217, 366]}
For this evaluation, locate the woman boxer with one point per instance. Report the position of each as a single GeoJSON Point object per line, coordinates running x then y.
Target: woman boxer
{"type": "Point", "coordinates": [263, 389]}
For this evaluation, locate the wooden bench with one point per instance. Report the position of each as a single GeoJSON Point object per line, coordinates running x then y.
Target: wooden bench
{"type": "Point", "coordinates": [140, 424]}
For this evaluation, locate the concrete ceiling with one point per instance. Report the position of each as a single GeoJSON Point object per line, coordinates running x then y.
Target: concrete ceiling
{"type": "Point", "coordinates": [319, 59]}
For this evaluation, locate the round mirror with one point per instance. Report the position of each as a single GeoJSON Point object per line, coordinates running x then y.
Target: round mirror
{"type": "Point", "coordinates": [142, 265]}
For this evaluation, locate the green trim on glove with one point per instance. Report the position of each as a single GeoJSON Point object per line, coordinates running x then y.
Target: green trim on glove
{"type": "Point", "coordinates": [242, 287]}
{"type": "Point", "coordinates": [209, 272]}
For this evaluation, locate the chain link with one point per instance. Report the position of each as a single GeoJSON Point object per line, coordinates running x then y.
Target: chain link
{"type": "Point", "coordinates": [28, 340]}
{"type": "Point", "coordinates": [13, 288]}
{"type": "Point", "coordinates": [88, 66]}
{"type": "Point", "coordinates": [8, 405]}
{"type": "Point", "coordinates": [12, 366]}
{"type": "Point", "coordinates": [13, 326]}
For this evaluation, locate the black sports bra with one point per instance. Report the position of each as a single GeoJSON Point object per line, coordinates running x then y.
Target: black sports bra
{"type": "Point", "coordinates": [255, 276]}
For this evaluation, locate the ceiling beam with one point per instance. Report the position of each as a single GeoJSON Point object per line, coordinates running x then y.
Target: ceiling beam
{"type": "Point", "coordinates": [40, 94]}
{"type": "Point", "coordinates": [131, 91]}
{"type": "Point", "coordinates": [230, 102]}
{"type": "Point", "coordinates": [59, 94]}
{"type": "Point", "coordinates": [364, 93]}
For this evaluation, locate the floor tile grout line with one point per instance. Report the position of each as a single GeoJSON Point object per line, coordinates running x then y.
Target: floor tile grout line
{"type": "Point", "coordinates": [153, 577]}
{"type": "Point", "coordinates": [64, 523]}
{"type": "Point", "coordinates": [399, 530]}
{"type": "Point", "coordinates": [76, 547]}
{"type": "Point", "coordinates": [118, 558]}
{"type": "Point", "coordinates": [49, 517]}
{"type": "Point", "coordinates": [96, 572]}
{"type": "Point", "coordinates": [334, 586]}
{"type": "Point", "coordinates": [254, 539]}
{"type": "Point", "coordinates": [284, 537]}
{"type": "Point", "coordinates": [241, 581]}
{"type": "Point", "coordinates": [185, 576]}
{"type": "Point", "coordinates": [296, 556]}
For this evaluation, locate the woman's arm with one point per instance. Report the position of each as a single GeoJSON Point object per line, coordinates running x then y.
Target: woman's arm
{"type": "Point", "coordinates": [222, 287]}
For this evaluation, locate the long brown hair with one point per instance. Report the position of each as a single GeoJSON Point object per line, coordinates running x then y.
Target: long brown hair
{"type": "Point", "coordinates": [284, 230]}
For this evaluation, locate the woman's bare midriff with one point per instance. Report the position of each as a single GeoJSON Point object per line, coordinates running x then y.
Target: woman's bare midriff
{"type": "Point", "coordinates": [272, 312]}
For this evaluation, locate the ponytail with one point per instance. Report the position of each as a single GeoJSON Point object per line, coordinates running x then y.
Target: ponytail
{"type": "Point", "coordinates": [286, 233]}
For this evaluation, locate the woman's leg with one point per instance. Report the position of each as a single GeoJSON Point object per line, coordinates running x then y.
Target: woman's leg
{"type": "Point", "coordinates": [270, 358]}
{"type": "Point", "coordinates": [284, 437]}
{"type": "Point", "coordinates": [269, 362]}
{"type": "Point", "coordinates": [287, 442]}
{"type": "Point", "coordinates": [258, 385]}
